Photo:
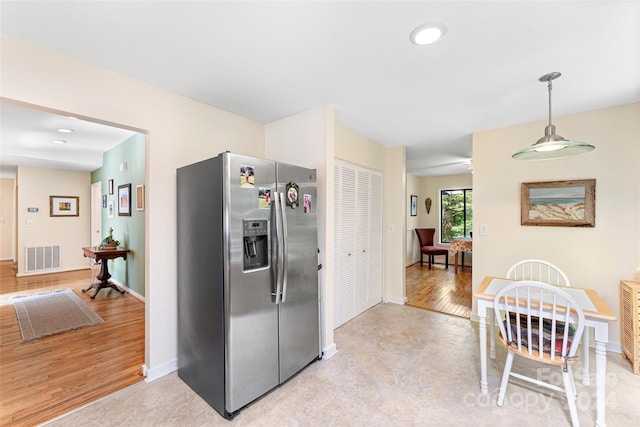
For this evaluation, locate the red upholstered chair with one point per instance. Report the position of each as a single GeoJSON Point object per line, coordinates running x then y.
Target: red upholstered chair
{"type": "Point", "coordinates": [425, 237]}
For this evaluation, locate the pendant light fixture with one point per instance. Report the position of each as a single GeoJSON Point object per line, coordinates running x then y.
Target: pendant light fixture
{"type": "Point", "coordinates": [552, 146]}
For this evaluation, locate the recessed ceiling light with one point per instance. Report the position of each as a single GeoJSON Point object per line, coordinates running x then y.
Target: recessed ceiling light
{"type": "Point", "coordinates": [428, 33]}
{"type": "Point", "coordinates": [58, 141]}
{"type": "Point", "coordinates": [65, 130]}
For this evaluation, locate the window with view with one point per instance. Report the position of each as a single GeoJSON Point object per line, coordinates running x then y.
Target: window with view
{"type": "Point", "coordinates": [456, 214]}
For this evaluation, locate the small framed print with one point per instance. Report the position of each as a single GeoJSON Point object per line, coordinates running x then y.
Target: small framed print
{"type": "Point", "coordinates": [64, 206]}
{"type": "Point", "coordinates": [414, 205]}
{"type": "Point", "coordinates": [140, 197]}
{"type": "Point", "coordinates": [110, 210]}
{"type": "Point", "coordinates": [110, 187]}
{"type": "Point", "coordinates": [104, 201]}
{"type": "Point", "coordinates": [124, 200]}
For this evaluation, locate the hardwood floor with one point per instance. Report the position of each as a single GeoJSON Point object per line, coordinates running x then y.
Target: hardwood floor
{"type": "Point", "coordinates": [439, 289]}
{"type": "Point", "coordinates": [45, 378]}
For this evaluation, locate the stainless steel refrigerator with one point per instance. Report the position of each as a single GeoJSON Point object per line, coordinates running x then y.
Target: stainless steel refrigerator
{"type": "Point", "coordinates": [248, 301]}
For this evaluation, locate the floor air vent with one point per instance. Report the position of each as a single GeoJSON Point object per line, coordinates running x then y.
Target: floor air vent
{"type": "Point", "coordinates": [42, 258]}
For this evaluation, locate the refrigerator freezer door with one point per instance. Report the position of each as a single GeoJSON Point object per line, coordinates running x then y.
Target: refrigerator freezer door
{"type": "Point", "coordinates": [299, 321]}
{"type": "Point", "coordinates": [251, 315]}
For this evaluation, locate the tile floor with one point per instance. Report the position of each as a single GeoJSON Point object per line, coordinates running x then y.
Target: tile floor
{"type": "Point", "coordinates": [395, 366]}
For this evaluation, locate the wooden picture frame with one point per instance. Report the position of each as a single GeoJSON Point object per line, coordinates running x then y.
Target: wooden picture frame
{"type": "Point", "coordinates": [414, 205]}
{"type": "Point", "coordinates": [559, 203]}
{"type": "Point", "coordinates": [124, 200]}
{"type": "Point", "coordinates": [64, 206]}
{"type": "Point", "coordinates": [110, 187]}
{"type": "Point", "coordinates": [140, 197]}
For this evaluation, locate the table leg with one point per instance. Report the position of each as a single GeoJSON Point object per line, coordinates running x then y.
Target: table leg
{"type": "Point", "coordinates": [586, 379]}
{"type": "Point", "coordinates": [482, 315]}
{"type": "Point", "coordinates": [455, 263]}
{"type": "Point", "coordinates": [601, 377]}
{"type": "Point", "coordinates": [104, 277]}
{"type": "Point", "coordinates": [601, 333]}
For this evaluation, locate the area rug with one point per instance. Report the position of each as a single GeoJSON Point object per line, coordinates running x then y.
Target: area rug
{"type": "Point", "coordinates": [51, 313]}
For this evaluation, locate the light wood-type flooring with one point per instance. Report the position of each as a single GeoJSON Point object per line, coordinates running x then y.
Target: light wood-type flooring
{"type": "Point", "coordinates": [48, 377]}
{"type": "Point", "coordinates": [439, 289]}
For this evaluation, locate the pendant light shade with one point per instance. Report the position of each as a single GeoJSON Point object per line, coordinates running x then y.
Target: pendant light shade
{"type": "Point", "coordinates": [552, 146]}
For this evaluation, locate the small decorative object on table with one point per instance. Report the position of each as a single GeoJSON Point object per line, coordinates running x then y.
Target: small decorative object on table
{"type": "Point", "coordinates": [109, 242]}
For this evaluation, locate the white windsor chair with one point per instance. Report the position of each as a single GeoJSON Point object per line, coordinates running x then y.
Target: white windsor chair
{"type": "Point", "coordinates": [546, 272]}
{"type": "Point", "coordinates": [541, 323]}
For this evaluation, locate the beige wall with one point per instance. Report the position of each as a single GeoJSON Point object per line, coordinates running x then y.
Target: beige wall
{"type": "Point", "coordinates": [7, 219]}
{"type": "Point", "coordinates": [35, 185]}
{"type": "Point", "coordinates": [429, 186]}
{"type": "Point", "coordinates": [596, 258]}
{"type": "Point", "coordinates": [179, 131]}
{"type": "Point", "coordinates": [353, 147]}
{"type": "Point", "coordinates": [395, 205]}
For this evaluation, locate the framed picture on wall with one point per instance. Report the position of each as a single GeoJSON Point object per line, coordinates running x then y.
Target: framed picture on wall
{"type": "Point", "coordinates": [110, 209]}
{"type": "Point", "coordinates": [63, 206]}
{"type": "Point", "coordinates": [559, 203]}
{"type": "Point", "coordinates": [104, 200]}
{"type": "Point", "coordinates": [124, 200]}
{"type": "Point", "coordinates": [414, 205]}
{"type": "Point", "coordinates": [140, 197]}
{"type": "Point", "coordinates": [110, 187]}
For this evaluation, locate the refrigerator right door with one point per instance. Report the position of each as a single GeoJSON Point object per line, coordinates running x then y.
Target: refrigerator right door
{"type": "Point", "coordinates": [298, 314]}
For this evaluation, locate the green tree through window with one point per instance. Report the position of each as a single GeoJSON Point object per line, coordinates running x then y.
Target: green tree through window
{"type": "Point", "coordinates": [456, 214]}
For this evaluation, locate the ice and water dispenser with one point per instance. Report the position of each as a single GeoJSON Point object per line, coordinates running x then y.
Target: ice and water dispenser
{"type": "Point", "coordinates": [256, 248]}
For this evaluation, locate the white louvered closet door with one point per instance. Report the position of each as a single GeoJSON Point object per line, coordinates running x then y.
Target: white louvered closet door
{"type": "Point", "coordinates": [357, 240]}
{"type": "Point", "coordinates": [344, 245]}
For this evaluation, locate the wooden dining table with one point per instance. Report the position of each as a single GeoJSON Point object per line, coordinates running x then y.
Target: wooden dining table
{"type": "Point", "coordinates": [597, 316]}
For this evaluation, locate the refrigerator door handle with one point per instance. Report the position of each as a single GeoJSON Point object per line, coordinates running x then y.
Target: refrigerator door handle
{"type": "Point", "coordinates": [285, 249]}
{"type": "Point", "coordinates": [280, 253]}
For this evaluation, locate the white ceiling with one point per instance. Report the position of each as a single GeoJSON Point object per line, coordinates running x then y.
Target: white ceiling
{"type": "Point", "coordinates": [268, 60]}
{"type": "Point", "coordinates": [26, 136]}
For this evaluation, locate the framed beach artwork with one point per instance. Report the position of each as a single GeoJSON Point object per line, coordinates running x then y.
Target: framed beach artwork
{"type": "Point", "coordinates": [559, 203]}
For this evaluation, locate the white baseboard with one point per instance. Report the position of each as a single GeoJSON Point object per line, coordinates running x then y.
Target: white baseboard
{"type": "Point", "coordinates": [129, 290]}
{"type": "Point", "coordinates": [60, 270]}
{"type": "Point", "coordinates": [159, 371]}
{"type": "Point", "coordinates": [329, 352]}
{"type": "Point", "coordinates": [396, 300]}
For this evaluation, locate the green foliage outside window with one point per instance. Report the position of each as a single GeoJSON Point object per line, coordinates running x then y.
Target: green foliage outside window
{"type": "Point", "coordinates": [456, 214]}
